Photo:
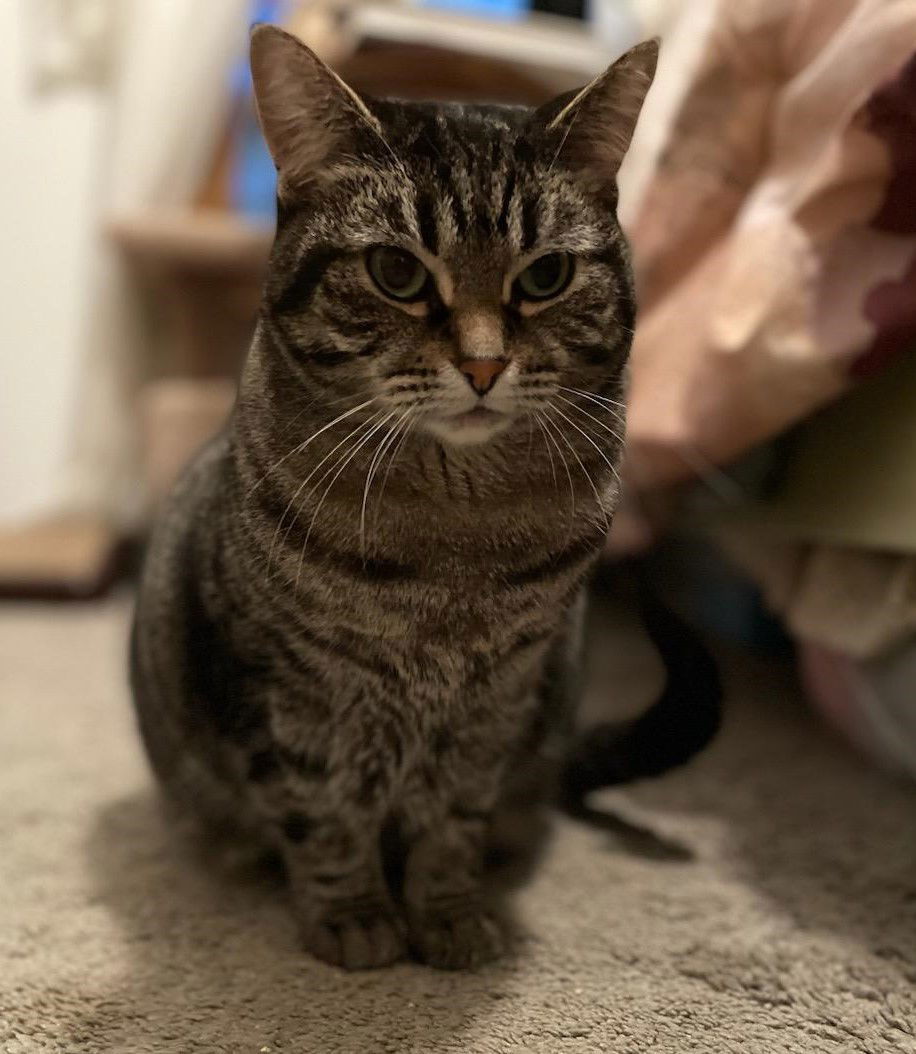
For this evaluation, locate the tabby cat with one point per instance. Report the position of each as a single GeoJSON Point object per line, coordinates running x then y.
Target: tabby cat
{"type": "Point", "coordinates": [359, 614]}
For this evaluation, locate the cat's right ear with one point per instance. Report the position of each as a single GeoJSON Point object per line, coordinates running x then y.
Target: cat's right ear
{"type": "Point", "coordinates": [595, 125]}
{"type": "Point", "coordinates": [306, 111]}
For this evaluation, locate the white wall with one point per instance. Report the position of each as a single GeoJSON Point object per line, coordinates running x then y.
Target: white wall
{"type": "Point", "coordinates": [49, 165]}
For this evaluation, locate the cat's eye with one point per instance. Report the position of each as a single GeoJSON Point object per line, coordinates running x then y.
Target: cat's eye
{"type": "Point", "coordinates": [546, 277]}
{"type": "Point", "coordinates": [398, 273]}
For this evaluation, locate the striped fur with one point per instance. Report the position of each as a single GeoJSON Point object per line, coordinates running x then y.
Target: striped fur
{"type": "Point", "coordinates": [356, 618]}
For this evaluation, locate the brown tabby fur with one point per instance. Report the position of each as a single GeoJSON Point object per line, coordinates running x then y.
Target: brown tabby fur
{"type": "Point", "coordinates": [357, 619]}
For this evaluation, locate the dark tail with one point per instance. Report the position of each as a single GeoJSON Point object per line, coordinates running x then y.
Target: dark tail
{"type": "Point", "coordinates": [680, 724]}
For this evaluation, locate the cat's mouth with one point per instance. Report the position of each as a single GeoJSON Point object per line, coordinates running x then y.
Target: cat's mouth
{"type": "Point", "coordinates": [470, 426]}
{"type": "Point", "coordinates": [478, 416]}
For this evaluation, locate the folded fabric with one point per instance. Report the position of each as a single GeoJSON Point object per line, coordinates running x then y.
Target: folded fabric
{"type": "Point", "coordinates": [775, 245]}
{"type": "Point", "coordinates": [833, 543]}
{"type": "Point", "coordinates": [871, 703]}
{"type": "Point", "coordinates": [854, 601]}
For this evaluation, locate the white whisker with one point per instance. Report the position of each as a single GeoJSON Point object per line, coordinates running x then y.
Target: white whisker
{"type": "Point", "coordinates": [592, 417]}
{"type": "Point", "coordinates": [585, 472]}
{"type": "Point", "coordinates": [394, 455]}
{"type": "Point", "coordinates": [553, 465]}
{"type": "Point", "coordinates": [600, 399]}
{"type": "Point", "coordinates": [572, 490]}
{"type": "Point", "coordinates": [346, 461]}
{"type": "Point", "coordinates": [301, 446]}
{"type": "Point", "coordinates": [610, 464]}
{"type": "Point", "coordinates": [304, 484]}
{"type": "Point", "coordinates": [370, 474]}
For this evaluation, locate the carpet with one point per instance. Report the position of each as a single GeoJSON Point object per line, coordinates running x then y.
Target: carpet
{"type": "Point", "coordinates": [782, 916]}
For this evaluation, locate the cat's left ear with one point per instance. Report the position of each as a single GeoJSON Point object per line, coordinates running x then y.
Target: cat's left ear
{"type": "Point", "coordinates": [596, 124]}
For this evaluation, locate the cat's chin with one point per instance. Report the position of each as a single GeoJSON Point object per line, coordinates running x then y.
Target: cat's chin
{"type": "Point", "coordinates": [469, 429]}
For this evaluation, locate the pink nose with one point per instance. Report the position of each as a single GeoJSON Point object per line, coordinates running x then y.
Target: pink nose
{"type": "Point", "coordinates": [481, 374]}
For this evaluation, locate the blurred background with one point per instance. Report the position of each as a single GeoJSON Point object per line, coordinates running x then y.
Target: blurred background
{"type": "Point", "coordinates": [771, 466]}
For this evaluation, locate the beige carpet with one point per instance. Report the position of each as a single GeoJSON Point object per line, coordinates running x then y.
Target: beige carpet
{"type": "Point", "coordinates": [793, 928]}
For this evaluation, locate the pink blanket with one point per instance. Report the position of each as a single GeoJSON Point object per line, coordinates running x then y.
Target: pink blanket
{"type": "Point", "coordinates": [776, 246]}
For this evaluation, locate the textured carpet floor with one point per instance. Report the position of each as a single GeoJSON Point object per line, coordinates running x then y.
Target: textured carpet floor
{"type": "Point", "coordinates": [790, 924]}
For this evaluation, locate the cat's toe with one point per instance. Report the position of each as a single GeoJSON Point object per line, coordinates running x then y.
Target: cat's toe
{"type": "Point", "coordinates": [456, 940]}
{"type": "Point", "coordinates": [356, 942]}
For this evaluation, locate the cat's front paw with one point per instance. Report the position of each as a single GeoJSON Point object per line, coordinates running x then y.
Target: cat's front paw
{"type": "Point", "coordinates": [356, 940]}
{"type": "Point", "coordinates": [458, 937]}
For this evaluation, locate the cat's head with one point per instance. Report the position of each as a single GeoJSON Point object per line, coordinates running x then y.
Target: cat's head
{"type": "Point", "coordinates": [460, 265]}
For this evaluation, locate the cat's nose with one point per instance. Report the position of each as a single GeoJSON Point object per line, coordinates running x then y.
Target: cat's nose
{"type": "Point", "coordinates": [481, 374]}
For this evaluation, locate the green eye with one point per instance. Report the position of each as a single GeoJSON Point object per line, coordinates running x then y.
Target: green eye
{"type": "Point", "coordinates": [546, 277]}
{"type": "Point", "coordinates": [398, 273]}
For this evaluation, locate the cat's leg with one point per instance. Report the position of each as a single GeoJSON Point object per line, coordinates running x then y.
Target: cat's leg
{"type": "Point", "coordinates": [486, 782]}
{"type": "Point", "coordinates": [520, 825]}
{"type": "Point", "coordinates": [328, 830]}
{"type": "Point", "coordinates": [450, 924]}
{"type": "Point", "coordinates": [342, 904]}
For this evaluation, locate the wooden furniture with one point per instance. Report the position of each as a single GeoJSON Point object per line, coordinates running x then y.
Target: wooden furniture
{"type": "Point", "coordinates": [202, 270]}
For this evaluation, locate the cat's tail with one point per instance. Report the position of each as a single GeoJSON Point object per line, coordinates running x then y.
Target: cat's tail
{"type": "Point", "coordinates": [676, 727]}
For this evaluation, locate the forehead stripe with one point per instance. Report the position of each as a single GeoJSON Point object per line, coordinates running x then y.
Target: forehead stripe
{"type": "Point", "coordinates": [502, 221]}
{"type": "Point", "coordinates": [529, 224]}
{"type": "Point", "coordinates": [458, 214]}
{"type": "Point", "coordinates": [426, 221]}
{"type": "Point", "coordinates": [306, 276]}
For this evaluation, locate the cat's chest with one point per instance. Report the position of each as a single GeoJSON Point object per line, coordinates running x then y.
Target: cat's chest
{"type": "Point", "coordinates": [450, 606]}
{"type": "Point", "coordinates": [463, 620]}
